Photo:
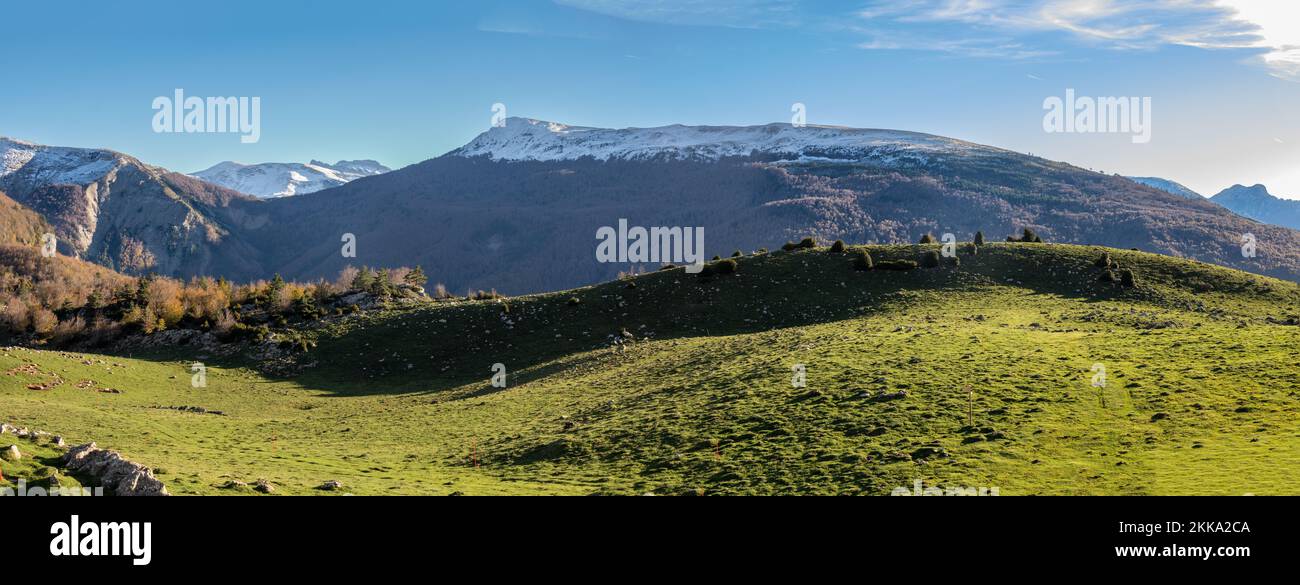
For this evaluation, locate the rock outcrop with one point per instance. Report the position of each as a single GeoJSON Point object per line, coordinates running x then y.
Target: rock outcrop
{"type": "Point", "coordinates": [114, 472]}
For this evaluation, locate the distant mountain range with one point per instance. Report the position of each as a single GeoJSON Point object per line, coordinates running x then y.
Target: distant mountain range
{"type": "Point", "coordinates": [518, 207]}
{"type": "Point", "coordinates": [1256, 203]}
{"type": "Point", "coordinates": [268, 180]}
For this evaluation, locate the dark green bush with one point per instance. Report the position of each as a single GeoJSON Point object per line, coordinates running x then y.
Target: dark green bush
{"type": "Point", "coordinates": [1104, 261]}
{"type": "Point", "coordinates": [727, 266]}
{"type": "Point", "coordinates": [931, 259]}
{"type": "Point", "coordinates": [790, 246]}
{"type": "Point", "coordinates": [807, 243]}
{"type": "Point", "coordinates": [862, 261]}
{"type": "Point", "coordinates": [979, 238]}
{"type": "Point", "coordinates": [1127, 279]}
{"type": "Point", "coordinates": [927, 239]}
{"type": "Point", "coordinates": [838, 246]}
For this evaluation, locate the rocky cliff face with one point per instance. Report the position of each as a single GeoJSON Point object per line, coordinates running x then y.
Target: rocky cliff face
{"type": "Point", "coordinates": [110, 208]}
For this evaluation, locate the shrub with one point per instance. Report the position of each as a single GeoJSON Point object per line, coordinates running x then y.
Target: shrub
{"type": "Point", "coordinates": [979, 238]}
{"type": "Point", "coordinates": [973, 249]}
{"type": "Point", "coordinates": [1106, 276]}
{"type": "Point", "coordinates": [862, 261]}
{"type": "Point", "coordinates": [1127, 279]}
{"type": "Point", "coordinates": [727, 266]}
{"type": "Point", "coordinates": [1032, 237]}
{"type": "Point", "coordinates": [737, 254]}
{"type": "Point", "coordinates": [807, 243]}
{"type": "Point", "coordinates": [1104, 261]}
{"type": "Point", "coordinates": [927, 239]}
{"type": "Point", "coordinates": [931, 259]}
{"type": "Point", "coordinates": [896, 265]}
{"type": "Point", "coordinates": [838, 247]}
{"type": "Point", "coordinates": [790, 246]}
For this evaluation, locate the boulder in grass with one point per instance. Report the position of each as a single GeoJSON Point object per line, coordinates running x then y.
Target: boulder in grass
{"type": "Point", "coordinates": [331, 485]}
{"type": "Point", "coordinates": [118, 475]}
{"type": "Point", "coordinates": [11, 453]}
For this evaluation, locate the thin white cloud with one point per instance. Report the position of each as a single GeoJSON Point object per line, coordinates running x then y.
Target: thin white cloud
{"type": "Point", "coordinates": [1278, 23]}
{"type": "Point", "coordinates": [1006, 29]}
{"type": "Point", "coordinates": [1269, 26]}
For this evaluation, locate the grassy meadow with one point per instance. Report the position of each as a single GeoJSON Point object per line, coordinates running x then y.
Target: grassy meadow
{"type": "Point", "coordinates": [983, 374]}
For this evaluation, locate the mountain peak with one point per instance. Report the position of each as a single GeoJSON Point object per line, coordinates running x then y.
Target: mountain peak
{"type": "Point", "coordinates": [1256, 191]}
{"type": "Point", "coordinates": [542, 140]}
{"type": "Point", "coordinates": [268, 180]}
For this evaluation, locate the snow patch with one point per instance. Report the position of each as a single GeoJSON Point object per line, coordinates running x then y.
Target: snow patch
{"type": "Point", "coordinates": [267, 180]}
{"type": "Point", "coordinates": [539, 140]}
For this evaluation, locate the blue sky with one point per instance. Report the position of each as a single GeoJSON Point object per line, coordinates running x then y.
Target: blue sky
{"type": "Point", "coordinates": [402, 82]}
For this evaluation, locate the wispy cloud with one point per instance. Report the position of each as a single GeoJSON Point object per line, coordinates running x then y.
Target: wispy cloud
{"type": "Point", "coordinates": [1004, 29]}
{"type": "Point", "coordinates": [1020, 29]}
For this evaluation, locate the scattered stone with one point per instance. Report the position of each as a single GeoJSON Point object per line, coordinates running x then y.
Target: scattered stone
{"type": "Point", "coordinates": [927, 452]}
{"type": "Point", "coordinates": [1159, 416]}
{"type": "Point", "coordinates": [11, 453]}
{"type": "Point", "coordinates": [884, 396]}
{"type": "Point", "coordinates": [263, 486]}
{"type": "Point", "coordinates": [235, 484]}
{"type": "Point", "coordinates": [116, 474]}
{"type": "Point", "coordinates": [331, 485]}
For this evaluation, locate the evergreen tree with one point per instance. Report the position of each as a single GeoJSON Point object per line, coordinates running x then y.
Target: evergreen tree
{"type": "Point", "coordinates": [275, 289]}
{"type": "Point", "coordinates": [979, 238]}
{"type": "Point", "coordinates": [382, 286]}
{"type": "Point", "coordinates": [363, 280]}
{"type": "Point", "coordinates": [416, 277]}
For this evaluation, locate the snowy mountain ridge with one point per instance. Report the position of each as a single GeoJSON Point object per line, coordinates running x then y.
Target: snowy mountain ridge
{"type": "Point", "coordinates": [538, 140]}
{"type": "Point", "coordinates": [56, 165]}
{"type": "Point", "coordinates": [268, 180]}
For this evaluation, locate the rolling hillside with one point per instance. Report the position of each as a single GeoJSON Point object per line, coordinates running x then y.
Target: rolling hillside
{"type": "Point", "coordinates": [670, 383]}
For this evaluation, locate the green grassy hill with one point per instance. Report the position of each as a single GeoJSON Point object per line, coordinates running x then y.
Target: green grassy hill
{"type": "Point", "coordinates": [1202, 386]}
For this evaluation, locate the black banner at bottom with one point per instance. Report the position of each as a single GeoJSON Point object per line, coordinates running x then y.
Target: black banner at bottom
{"type": "Point", "coordinates": [1198, 535]}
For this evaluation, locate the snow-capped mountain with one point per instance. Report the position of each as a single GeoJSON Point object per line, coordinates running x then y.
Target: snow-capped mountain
{"type": "Point", "coordinates": [1171, 187]}
{"type": "Point", "coordinates": [538, 140]}
{"type": "Point", "coordinates": [111, 208]}
{"type": "Point", "coordinates": [56, 164]}
{"type": "Point", "coordinates": [285, 179]}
